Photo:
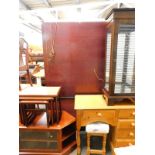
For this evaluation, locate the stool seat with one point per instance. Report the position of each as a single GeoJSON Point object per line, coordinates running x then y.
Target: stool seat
{"type": "Point", "coordinates": [97, 127]}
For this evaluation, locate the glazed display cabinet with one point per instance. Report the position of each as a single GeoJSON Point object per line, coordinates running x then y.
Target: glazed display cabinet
{"type": "Point", "coordinates": [119, 75]}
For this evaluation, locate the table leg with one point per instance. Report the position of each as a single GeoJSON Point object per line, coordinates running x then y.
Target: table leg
{"type": "Point", "coordinates": [51, 107]}
{"type": "Point", "coordinates": [78, 142]}
{"type": "Point", "coordinates": [47, 115]}
{"type": "Point", "coordinates": [58, 109]}
{"type": "Point", "coordinates": [78, 127]}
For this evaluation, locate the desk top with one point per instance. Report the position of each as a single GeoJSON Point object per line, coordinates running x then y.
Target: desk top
{"type": "Point", "coordinates": [84, 102]}
{"type": "Point", "coordinates": [40, 91]}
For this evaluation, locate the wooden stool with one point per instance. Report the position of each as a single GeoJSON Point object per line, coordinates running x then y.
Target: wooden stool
{"type": "Point", "coordinates": [97, 129]}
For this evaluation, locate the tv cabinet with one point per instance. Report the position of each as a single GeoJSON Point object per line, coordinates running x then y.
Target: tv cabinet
{"type": "Point", "coordinates": [58, 139]}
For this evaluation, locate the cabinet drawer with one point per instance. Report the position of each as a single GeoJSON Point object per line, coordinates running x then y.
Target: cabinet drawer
{"type": "Point", "coordinates": [125, 134]}
{"type": "Point", "coordinates": [41, 135]}
{"type": "Point", "coordinates": [128, 142]}
{"type": "Point", "coordinates": [98, 115]}
{"type": "Point", "coordinates": [38, 145]}
{"type": "Point", "coordinates": [126, 124]}
{"type": "Point", "coordinates": [127, 113]}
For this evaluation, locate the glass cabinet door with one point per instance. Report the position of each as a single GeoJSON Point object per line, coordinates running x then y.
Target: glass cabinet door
{"type": "Point", "coordinates": [107, 65]}
{"type": "Point", "coordinates": [125, 60]}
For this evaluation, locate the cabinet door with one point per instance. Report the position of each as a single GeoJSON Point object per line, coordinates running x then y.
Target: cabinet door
{"type": "Point", "coordinates": [38, 145]}
{"type": "Point", "coordinates": [125, 60]}
{"type": "Point", "coordinates": [34, 140]}
{"type": "Point", "coordinates": [38, 135]}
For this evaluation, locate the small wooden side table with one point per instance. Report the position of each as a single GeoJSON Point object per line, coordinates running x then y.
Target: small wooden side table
{"type": "Point", "coordinates": [43, 93]}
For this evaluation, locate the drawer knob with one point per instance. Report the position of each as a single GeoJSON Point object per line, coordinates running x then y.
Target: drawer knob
{"type": "Point", "coordinates": [133, 114]}
{"type": "Point", "coordinates": [99, 114]}
{"type": "Point", "coordinates": [132, 124]}
{"type": "Point", "coordinates": [131, 134]}
{"type": "Point", "coordinates": [50, 136]}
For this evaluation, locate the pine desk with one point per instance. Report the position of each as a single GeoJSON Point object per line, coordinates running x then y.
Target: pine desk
{"type": "Point", "coordinates": [92, 108]}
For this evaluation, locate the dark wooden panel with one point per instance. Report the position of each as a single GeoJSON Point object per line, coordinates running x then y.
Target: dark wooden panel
{"type": "Point", "coordinates": [79, 49]}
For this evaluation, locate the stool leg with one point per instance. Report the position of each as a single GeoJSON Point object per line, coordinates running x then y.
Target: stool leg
{"type": "Point", "coordinates": [88, 144]}
{"type": "Point", "coordinates": [104, 144]}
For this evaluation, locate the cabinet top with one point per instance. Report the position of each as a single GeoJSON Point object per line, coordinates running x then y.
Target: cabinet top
{"type": "Point", "coordinates": [121, 13]}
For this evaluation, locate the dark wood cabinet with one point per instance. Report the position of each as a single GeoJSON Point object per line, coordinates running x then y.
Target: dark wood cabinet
{"type": "Point", "coordinates": [56, 139]}
{"type": "Point", "coordinates": [119, 75]}
{"type": "Point", "coordinates": [76, 63]}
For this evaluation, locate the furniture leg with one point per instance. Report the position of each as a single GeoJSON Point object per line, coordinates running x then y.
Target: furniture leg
{"type": "Point", "coordinates": [57, 109]}
{"type": "Point", "coordinates": [78, 142]}
{"type": "Point", "coordinates": [29, 77]}
{"type": "Point", "coordinates": [51, 107]}
{"type": "Point", "coordinates": [60, 110]}
{"type": "Point", "coordinates": [88, 144]}
{"type": "Point", "coordinates": [38, 81]}
{"type": "Point", "coordinates": [78, 127]}
{"type": "Point", "coordinates": [47, 115]}
{"type": "Point", "coordinates": [21, 114]}
{"type": "Point", "coordinates": [24, 115]}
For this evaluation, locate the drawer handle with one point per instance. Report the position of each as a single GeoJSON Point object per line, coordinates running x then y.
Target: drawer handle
{"type": "Point", "coordinates": [132, 124]}
{"type": "Point", "coordinates": [131, 134]}
{"type": "Point", "coordinates": [50, 136]}
{"type": "Point", "coordinates": [99, 114]}
{"type": "Point", "coordinates": [133, 114]}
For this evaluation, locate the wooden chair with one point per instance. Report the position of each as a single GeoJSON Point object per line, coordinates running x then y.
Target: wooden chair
{"type": "Point", "coordinates": [97, 129]}
{"type": "Point", "coordinates": [23, 62]}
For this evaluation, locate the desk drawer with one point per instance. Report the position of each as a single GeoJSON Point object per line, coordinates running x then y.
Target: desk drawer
{"type": "Point", "coordinates": [126, 124]}
{"type": "Point", "coordinates": [127, 114]}
{"type": "Point", "coordinates": [125, 134]}
{"type": "Point", "coordinates": [127, 142]}
{"type": "Point", "coordinates": [107, 116]}
{"type": "Point", "coordinates": [38, 135]}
